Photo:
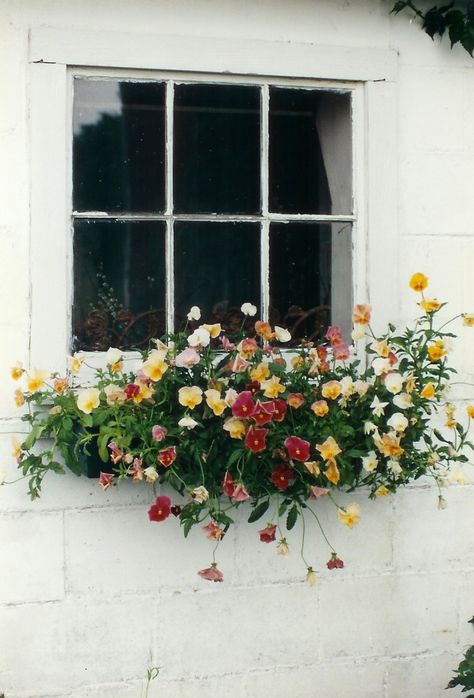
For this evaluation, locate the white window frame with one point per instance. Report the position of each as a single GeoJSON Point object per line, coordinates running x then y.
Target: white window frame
{"type": "Point", "coordinates": [55, 57]}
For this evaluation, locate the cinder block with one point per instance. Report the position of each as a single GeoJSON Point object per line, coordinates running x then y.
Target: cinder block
{"type": "Point", "coordinates": [421, 677]}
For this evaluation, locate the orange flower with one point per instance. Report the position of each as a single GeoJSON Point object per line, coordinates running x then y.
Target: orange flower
{"type": "Point", "coordinates": [468, 320]}
{"type": "Point", "coordinates": [389, 445]}
{"type": "Point", "coordinates": [264, 330]}
{"type": "Point", "coordinates": [295, 400]}
{"type": "Point", "coordinates": [418, 282]}
{"type": "Point", "coordinates": [19, 398]}
{"type": "Point", "coordinates": [332, 390]}
{"type": "Point", "coordinates": [361, 314]}
{"type": "Point", "coordinates": [428, 391]}
{"type": "Point", "coordinates": [320, 408]}
{"type": "Point", "coordinates": [61, 385]}
{"type": "Point", "coordinates": [470, 411]}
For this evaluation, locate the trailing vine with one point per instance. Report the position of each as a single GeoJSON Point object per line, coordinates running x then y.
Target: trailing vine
{"type": "Point", "coordinates": [456, 18]}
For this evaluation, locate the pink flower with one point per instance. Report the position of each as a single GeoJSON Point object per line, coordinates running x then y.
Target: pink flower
{"type": "Point", "coordinates": [247, 347]}
{"type": "Point", "coordinates": [212, 574]}
{"type": "Point", "coordinates": [279, 410]}
{"type": "Point", "coordinates": [167, 456]}
{"type": "Point", "coordinates": [255, 440]}
{"type": "Point", "coordinates": [188, 357]}
{"type": "Point", "coordinates": [160, 510]}
{"type": "Point", "coordinates": [295, 400]}
{"type": "Point", "coordinates": [317, 492]}
{"type": "Point", "coordinates": [263, 412]}
{"type": "Point", "coordinates": [213, 531]}
{"type": "Point", "coordinates": [267, 535]}
{"type": "Point", "coordinates": [244, 405]}
{"type": "Point", "coordinates": [158, 433]}
{"type": "Point", "coordinates": [281, 477]}
{"type": "Point", "coordinates": [136, 471]}
{"type": "Point", "coordinates": [335, 563]}
{"type": "Point", "coordinates": [240, 494]}
{"type": "Point", "coordinates": [238, 365]}
{"type": "Point", "coordinates": [334, 335]}
{"type": "Point", "coordinates": [116, 454]}
{"type": "Point", "coordinates": [227, 345]}
{"type": "Point", "coordinates": [228, 484]}
{"type": "Point", "coordinates": [341, 351]}
{"type": "Point", "coordinates": [105, 480]}
{"type": "Point", "coordinates": [297, 448]}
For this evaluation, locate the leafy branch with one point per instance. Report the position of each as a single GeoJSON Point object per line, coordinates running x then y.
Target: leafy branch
{"type": "Point", "coordinates": [456, 18]}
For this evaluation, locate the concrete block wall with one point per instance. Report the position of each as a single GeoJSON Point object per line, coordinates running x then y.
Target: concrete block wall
{"type": "Point", "coordinates": [91, 593]}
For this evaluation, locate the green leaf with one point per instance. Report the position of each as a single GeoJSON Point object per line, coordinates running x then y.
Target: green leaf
{"type": "Point", "coordinates": [292, 517]}
{"type": "Point", "coordinates": [33, 436]}
{"type": "Point", "coordinates": [259, 511]}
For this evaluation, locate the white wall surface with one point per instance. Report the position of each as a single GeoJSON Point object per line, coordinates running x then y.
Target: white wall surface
{"type": "Point", "coordinates": [91, 593]}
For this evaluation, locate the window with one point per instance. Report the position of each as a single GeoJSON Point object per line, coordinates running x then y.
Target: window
{"type": "Point", "coordinates": [211, 194]}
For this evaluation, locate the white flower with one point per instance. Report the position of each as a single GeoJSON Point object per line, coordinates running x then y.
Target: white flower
{"type": "Point", "coordinates": [361, 387]}
{"type": "Point", "coordinates": [187, 422]}
{"type": "Point", "coordinates": [370, 461]}
{"type": "Point", "coordinates": [380, 366]}
{"type": "Point", "coordinates": [248, 309]}
{"type": "Point", "coordinates": [88, 399]}
{"type": "Point", "coordinates": [347, 386]}
{"type": "Point", "coordinates": [199, 338]}
{"type": "Point", "coordinates": [394, 382]}
{"type": "Point", "coordinates": [150, 474]}
{"type": "Point", "coordinates": [358, 332]}
{"type": "Point", "coordinates": [403, 401]}
{"type": "Point", "coordinates": [281, 334]}
{"type": "Point", "coordinates": [230, 396]}
{"type": "Point", "coordinates": [200, 494]}
{"type": "Point", "coordinates": [194, 313]}
{"type": "Point", "coordinates": [378, 407]}
{"type": "Point", "coordinates": [442, 503]}
{"type": "Point", "coordinates": [394, 467]}
{"type": "Point", "coordinates": [369, 428]}
{"type": "Point", "coordinates": [113, 356]}
{"type": "Point", "coordinates": [398, 422]}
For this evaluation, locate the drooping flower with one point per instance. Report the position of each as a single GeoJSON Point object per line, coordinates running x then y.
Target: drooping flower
{"type": "Point", "coordinates": [320, 408]}
{"type": "Point", "coordinates": [187, 358]}
{"type": "Point", "coordinates": [190, 396]}
{"type": "Point", "coordinates": [267, 534]}
{"type": "Point", "coordinates": [381, 491]}
{"type": "Point", "coordinates": [240, 493]}
{"type": "Point", "coordinates": [227, 345]}
{"type": "Point", "coordinates": [19, 398]}
{"type": "Point", "coordinates": [283, 547]}
{"type": "Point", "coordinates": [388, 444]}
{"type": "Point", "coordinates": [361, 314]}
{"type": "Point", "coordinates": [317, 492]}
{"type": "Point", "coordinates": [155, 366]}
{"type": "Point", "coordinates": [238, 364]}
{"type": "Point", "coordinates": [470, 411]}
{"type": "Point", "coordinates": [255, 439]}
{"type": "Point", "coordinates": [167, 456]}
{"type": "Point", "coordinates": [244, 405]}
{"type": "Point", "coordinates": [213, 531]}
{"type": "Point", "coordinates": [312, 467]}
{"type": "Point", "coordinates": [36, 380]}
{"type": "Point", "coordinates": [151, 474]}
{"type": "Point", "coordinates": [136, 470]}
{"type": "Point", "coordinates": [228, 484]}
{"type": "Point", "coordinates": [248, 309]}
{"type": "Point", "coordinates": [311, 577]}
{"type": "Point", "coordinates": [350, 515]}
{"type": "Point", "coordinates": [194, 313]}
{"type": "Point", "coordinates": [161, 509]}
{"type": "Point", "coordinates": [418, 282]}
{"type": "Point", "coordinates": [187, 423]}
{"type": "Point", "coordinates": [75, 363]}
{"type": "Point", "coordinates": [331, 390]}
{"type": "Point", "coordinates": [295, 400]}
{"type": "Point", "coordinates": [116, 453]}
{"type": "Point", "coordinates": [468, 320]}
{"type": "Point", "coordinates": [158, 433]}
{"type": "Point", "coordinates": [263, 412]}
{"type": "Point", "coordinates": [281, 477]}
{"type": "Point", "coordinates": [297, 448]}
{"type": "Point", "coordinates": [16, 449]}
{"type": "Point", "coordinates": [212, 574]}
{"type": "Point", "coordinates": [105, 480]}
{"type": "Point", "coordinates": [335, 563]}
{"type": "Point", "coordinates": [272, 387]}
{"type": "Point", "coordinates": [200, 494]}
{"type": "Point", "coordinates": [88, 399]}
{"type": "Point", "coordinates": [17, 371]}
{"type": "Point", "coordinates": [332, 472]}
{"type": "Point", "coordinates": [394, 467]}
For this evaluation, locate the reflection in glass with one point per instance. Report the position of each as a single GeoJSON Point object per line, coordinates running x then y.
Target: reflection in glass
{"type": "Point", "coordinates": [217, 267]}
{"type": "Point", "coordinates": [310, 151]}
{"type": "Point", "coordinates": [119, 283]}
{"type": "Point", "coordinates": [119, 146]}
{"type": "Point", "coordinates": [217, 149]}
{"type": "Point", "coordinates": [310, 283]}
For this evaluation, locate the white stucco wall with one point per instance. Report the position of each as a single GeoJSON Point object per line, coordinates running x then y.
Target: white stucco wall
{"type": "Point", "coordinates": [91, 594]}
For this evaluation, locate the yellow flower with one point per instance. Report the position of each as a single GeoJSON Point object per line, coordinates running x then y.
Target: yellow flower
{"type": "Point", "coordinates": [350, 515]}
{"type": "Point", "coordinates": [19, 398]}
{"type": "Point", "coordinates": [468, 320]}
{"type": "Point", "coordinates": [332, 472]}
{"type": "Point", "coordinates": [35, 380]}
{"type": "Point", "coordinates": [312, 467]}
{"type": "Point", "coordinates": [470, 411]}
{"type": "Point", "coordinates": [144, 393]}
{"type": "Point", "coordinates": [16, 449]}
{"type": "Point", "coordinates": [297, 362]}
{"type": "Point", "coordinates": [418, 282]}
{"type": "Point", "coordinates": [151, 474]}
{"type": "Point", "coordinates": [436, 351]}
{"type": "Point", "coordinates": [430, 306]}
{"type": "Point", "coordinates": [410, 383]}
{"type": "Point", "coordinates": [450, 421]}
{"type": "Point", "coordinates": [332, 390]}
{"type": "Point", "coordinates": [329, 449]}
{"type": "Point", "coordinates": [428, 391]}
{"type": "Point", "coordinates": [88, 399]}
{"type": "Point", "coordinates": [75, 363]}
{"type": "Point", "coordinates": [389, 445]}
{"type": "Point", "coordinates": [272, 387]}
{"type": "Point", "coordinates": [381, 491]}
{"type": "Point", "coordinates": [17, 371]}
{"type": "Point", "coordinates": [381, 347]}
{"type": "Point", "coordinates": [260, 372]}
{"type": "Point", "coordinates": [214, 401]}
{"type": "Point", "coordinates": [320, 408]}
{"type": "Point", "coordinates": [155, 366]}
{"type": "Point", "coordinates": [235, 427]}
{"type": "Point", "coordinates": [214, 330]}
{"type": "Point", "coordinates": [190, 397]}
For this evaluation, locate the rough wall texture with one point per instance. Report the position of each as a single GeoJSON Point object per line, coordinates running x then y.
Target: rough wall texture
{"type": "Point", "coordinates": [91, 594]}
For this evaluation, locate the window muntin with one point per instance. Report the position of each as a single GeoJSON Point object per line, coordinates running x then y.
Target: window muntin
{"type": "Point", "coordinates": [285, 234]}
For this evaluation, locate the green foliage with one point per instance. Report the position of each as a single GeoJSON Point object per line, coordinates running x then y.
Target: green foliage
{"type": "Point", "coordinates": [456, 18]}
{"type": "Point", "coordinates": [465, 672]}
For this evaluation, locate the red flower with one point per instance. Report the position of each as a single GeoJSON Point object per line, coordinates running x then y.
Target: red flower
{"type": "Point", "coordinates": [240, 494]}
{"type": "Point", "coordinates": [281, 477]}
{"type": "Point", "coordinates": [255, 439]}
{"type": "Point", "coordinates": [279, 410]}
{"type": "Point", "coordinates": [244, 405]}
{"type": "Point", "coordinates": [132, 390]}
{"type": "Point", "coordinates": [297, 448]}
{"type": "Point", "coordinates": [167, 456]}
{"type": "Point", "coordinates": [105, 480]}
{"type": "Point", "coordinates": [335, 563]}
{"type": "Point", "coordinates": [263, 412]}
{"type": "Point", "coordinates": [253, 386]}
{"type": "Point", "coordinates": [267, 535]}
{"type": "Point", "coordinates": [160, 510]}
{"type": "Point", "coordinates": [212, 574]}
{"type": "Point", "coordinates": [228, 484]}
{"type": "Point", "coordinates": [295, 400]}
{"type": "Point", "coordinates": [176, 510]}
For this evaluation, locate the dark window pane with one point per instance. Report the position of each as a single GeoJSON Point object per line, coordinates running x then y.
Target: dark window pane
{"type": "Point", "coordinates": [217, 149]}
{"type": "Point", "coordinates": [217, 267]}
{"type": "Point", "coordinates": [310, 152]}
{"type": "Point", "coordinates": [310, 277]}
{"type": "Point", "coordinates": [119, 283]}
{"type": "Point", "coordinates": [119, 146]}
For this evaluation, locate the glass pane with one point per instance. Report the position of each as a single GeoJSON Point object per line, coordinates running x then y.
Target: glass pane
{"type": "Point", "coordinates": [310, 151]}
{"type": "Point", "coordinates": [119, 283]}
{"type": "Point", "coordinates": [217, 149]}
{"type": "Point", "coordinates": [217, 267]}
{"type": "Point", "coordinates": [119, 146]}
{"type": "Point", "coordinates": [310, 277]}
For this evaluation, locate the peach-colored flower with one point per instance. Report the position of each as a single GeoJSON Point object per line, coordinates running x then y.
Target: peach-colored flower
{"type": "Point", "coordinates": [19, 398]}
{"type": "Point", "coordinates": [213, 531]}
{"type": "Point", "coordinates": [212, 574]}
{"type": "Point", "coordinates": [272, 387]}
{"type": "Point", "coordinates": [332, 390]}
{"type": "Point", "coordinates": [320, 408]}
{"type": "Point", "coordinates": [114, 394]}
{"type": "Point", "coordinates": [332, 472]}
{"type": "Point", "coordinates": [295, 400]}
{"type": "Point", "coordinates": [264, 330]}
{"type": "Point", "coordinates": [329, 449]}
{"type": "Point", "coordinates": [247, 347]}
{"type": "Point", "coordinates": [312, 467]}
{"type": "Point", "coordinates": [361, 314]}
{"type": "Point", "coordinates": [60, 385]}
{"type": "Point", "coordinates": [190, 396]}
{"type": "Point", "coordinates": [187, 358]}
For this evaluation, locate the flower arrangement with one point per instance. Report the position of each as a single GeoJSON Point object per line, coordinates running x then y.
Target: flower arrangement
{"type": "Point", "coordinates": [224, 419]}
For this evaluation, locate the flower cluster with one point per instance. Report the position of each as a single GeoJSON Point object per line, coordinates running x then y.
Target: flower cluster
{"type": "Point", "coordinates": [227, 419]}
